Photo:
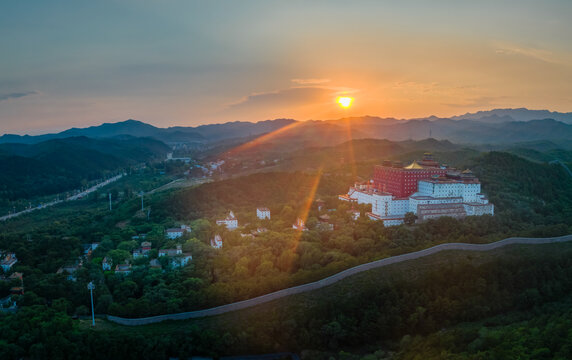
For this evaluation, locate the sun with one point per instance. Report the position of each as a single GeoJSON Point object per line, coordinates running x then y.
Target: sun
{"type": "Point", "coordinates": [345, 102]}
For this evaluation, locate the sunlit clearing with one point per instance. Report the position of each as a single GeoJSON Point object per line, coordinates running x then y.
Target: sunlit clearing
{"type": "Point", "coordinates": [345, 102]}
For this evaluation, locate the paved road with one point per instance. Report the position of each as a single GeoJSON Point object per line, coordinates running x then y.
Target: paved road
{"type": "Point", "coordinates": [563, 165]}
{"type": "Point", "coordinates": [71, 198]}
{"type": "Point", "coordinates": [333, 279]}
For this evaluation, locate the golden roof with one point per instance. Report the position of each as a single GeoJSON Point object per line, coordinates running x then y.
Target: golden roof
{"type": "Point", "coordinates": [414, 165]}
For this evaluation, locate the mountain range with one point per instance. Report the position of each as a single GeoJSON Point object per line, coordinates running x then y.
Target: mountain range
{"type": "Point", "coordinates": [484, 127]}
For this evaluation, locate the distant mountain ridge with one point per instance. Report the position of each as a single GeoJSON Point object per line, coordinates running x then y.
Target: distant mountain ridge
{"type": "Point", "coordinates": [520, 114]}
{"type": "Point", "coordinates": [491, 126]}
{"type": "Point", "coordinates": [171, 135]}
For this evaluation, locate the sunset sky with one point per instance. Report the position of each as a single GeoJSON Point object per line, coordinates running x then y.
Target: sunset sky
{"type": "Point", "coordinates": [81, 63]}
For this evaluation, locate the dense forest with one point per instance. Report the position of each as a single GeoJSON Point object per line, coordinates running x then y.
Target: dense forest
{"type": "Point", "coordinates": [527, 205]}
{"type": "Point", "coordinates": [59, 165]}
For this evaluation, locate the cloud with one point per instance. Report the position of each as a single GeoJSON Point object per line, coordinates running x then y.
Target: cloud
{"type": "Point", "coordinates": [311, 81]}
{"type": "Point", "coordinates": [481, 101]}
{"type": "Point", "coordinates": [534, 53]}
{"type": "Point", "coordinates": [17, 95]}
{"type": "Point", "coordinates": [295, 96]}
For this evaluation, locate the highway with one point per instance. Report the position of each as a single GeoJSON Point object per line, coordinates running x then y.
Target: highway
{"type": "Point", "coordinates": [71, 198]}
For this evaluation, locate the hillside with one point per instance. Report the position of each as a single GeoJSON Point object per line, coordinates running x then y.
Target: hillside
{"type": "Point", "coordinates": [520, 114]}
{"type": "Point", "coordinates": [58, 165]}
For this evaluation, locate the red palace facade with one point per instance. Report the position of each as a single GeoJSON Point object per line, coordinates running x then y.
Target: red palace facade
{"type": "Point", "coordinates": [400, 181]}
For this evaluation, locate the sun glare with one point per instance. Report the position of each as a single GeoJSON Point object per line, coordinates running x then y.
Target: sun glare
{"type": "Point", "coordinates": [345, 102]}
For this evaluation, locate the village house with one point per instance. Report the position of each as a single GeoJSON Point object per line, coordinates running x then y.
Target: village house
{"type": "Point", "coordinates": [143, 250]}
{"type": "Point", "coordinates": [155, 264]}
{"type": "Point", "coordinates": [8, 261]}
{"type": "Point", "coordinates": [355, 214]}
{"type": "Point", "coordinates": [263, 213]}
{"type": "Point", "coordinates": [174, 233]}
{"type": "Point", "coordinates": [258, 231]}
{"type": "Point", "coordinates": [106, 264]}
{"type": "Point", "coordinates": [300, 225]}
{"type": "Point", "coordinates": [123, 269]}
{"type": "Point", "coordinates": [324, 223]}
{"type": "Point", "coordinates": [230, 222]}
{"type": "Point", "coordinates": [88, 249]}
{"type": "Point", "coordinates": [216, 242]}
{"type": "Point", "coordinates": [71, 269]}
{"type": "Point", "coordinates": [177, 257]}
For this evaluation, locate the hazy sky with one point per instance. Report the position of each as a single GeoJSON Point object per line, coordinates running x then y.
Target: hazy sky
{"type": "Point", "coordinates": [166, 62]}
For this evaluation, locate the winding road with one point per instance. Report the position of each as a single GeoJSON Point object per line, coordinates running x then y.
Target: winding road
{"type": "Point", "coordinates": [333, 279]}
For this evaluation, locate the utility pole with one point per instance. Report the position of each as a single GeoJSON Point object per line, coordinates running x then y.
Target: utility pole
{"type": "Point", "coordinates": [91, 287]}
{"type": "Point", "coordinates": [109, 201]}
{"type": "Point", "coordinates": [141, 194]}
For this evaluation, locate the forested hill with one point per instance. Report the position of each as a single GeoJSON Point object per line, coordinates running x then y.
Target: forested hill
{"type": "Point", "coordinates": [58, 165]}
{"type": "Point", "coordinates": [526, 191]}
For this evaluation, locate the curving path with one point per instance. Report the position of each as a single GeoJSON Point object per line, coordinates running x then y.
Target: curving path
{"type": "Point", "coordinates": [333, 279]}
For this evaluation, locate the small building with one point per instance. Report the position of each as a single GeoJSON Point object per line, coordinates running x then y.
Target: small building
{"type": "Point", "coordinates": [123, 269]}
{"type": "Point", "coordinates": [230, 222]}
{"type": "Point", "coordinates": [355, 214]}
{"type": "Point", "coordinates": [300, 225]}
{"type": "Point", "coordinates": [16, 276]}
{"type": "Point", "coordinates": [263, 213]}
{"type": "Point", "coordinates": [321, 204]}
{"type": "Point", "coordinates": [155, 264]}
{"type": "Point", "coordinates": [258, 231]}
{"type": "Point", "coordinates": [171, 252]}
{"type": "Point", "coordinates": [145, 247]}
{"type": "Point", "coordinates": [88, 248]}
{"type": "Point", "coordinates": [70, 270]}
{"type": "Point", "coordinates": [17, 290]}
{"type": "Point", "coordinates": [8, 261]}
{"type": "Point", "coordinates": [174, 233]}
{"type": "Point", "coordinates": [324, 223]}
{"type": "Point", "coordinates": [181, 260]}
{"type": "Point", "coordinates": [106, 264]}
{"type": "Point", "coordinates": [216, 242]}
{"type": "Point", "coordinates": [177, 257]}
{"type": "Point", "coordinates": [143, 250]}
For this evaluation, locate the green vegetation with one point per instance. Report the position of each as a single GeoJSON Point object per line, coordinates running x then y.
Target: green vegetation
{"type": "Point", "coordinates": [55, 166]}
{"type": "Point", "coordinates": [371, 311]}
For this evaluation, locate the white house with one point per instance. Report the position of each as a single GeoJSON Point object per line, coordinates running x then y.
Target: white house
{"type": "Point", "coordinates": [216, 242]}
{"type": "Point", "coordinates": [174, 233]}
{"type": "Point", "coordinates": [299, 225]}
{"type": "Point", "coordinates": [230, 222]}
{"type": "Point", "coordinates": [263, 213]}
{"type": "Point", "coordinates": [177, 257]}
